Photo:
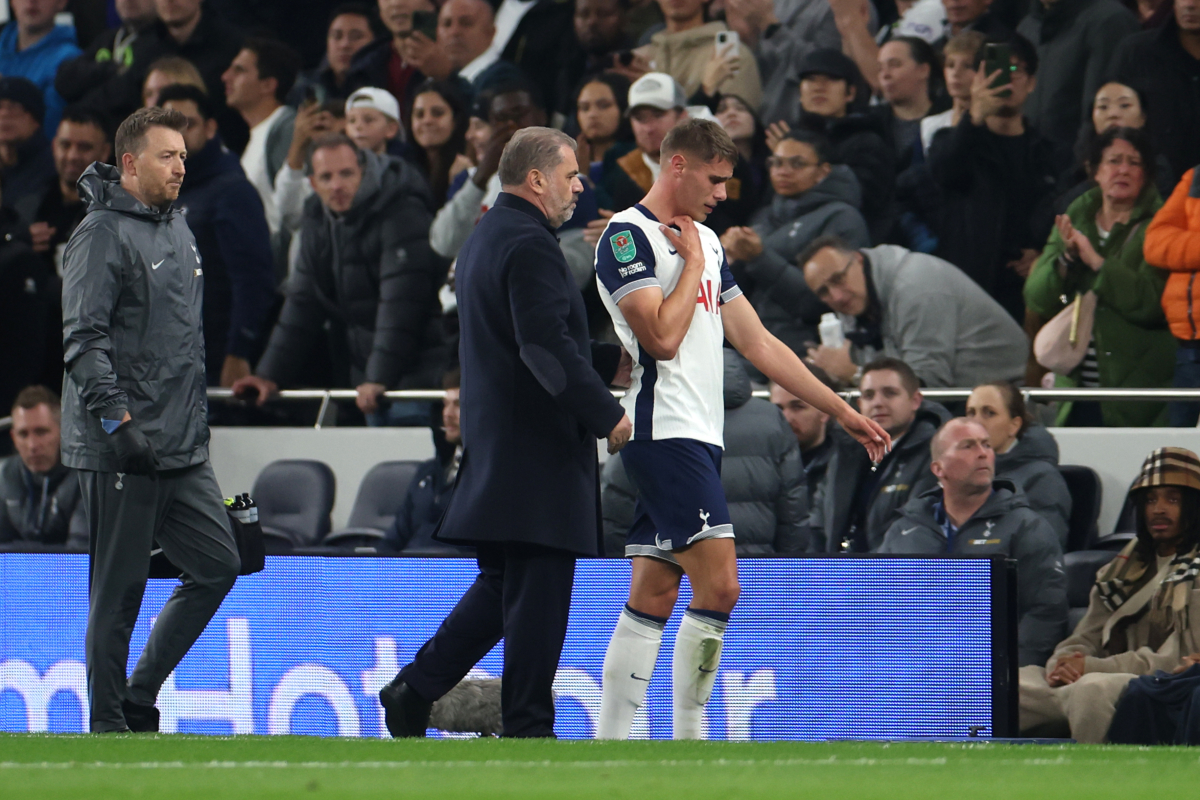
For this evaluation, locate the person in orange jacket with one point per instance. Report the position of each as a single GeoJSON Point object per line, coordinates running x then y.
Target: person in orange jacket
{"type": "Point", "coordinates": [1173, 243]}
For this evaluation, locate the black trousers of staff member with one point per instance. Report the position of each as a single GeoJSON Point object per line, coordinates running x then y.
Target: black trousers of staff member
{"type": "Point", "coordinates": [523, 595]}
{"type": "Point", "coordinates": [182, 510]}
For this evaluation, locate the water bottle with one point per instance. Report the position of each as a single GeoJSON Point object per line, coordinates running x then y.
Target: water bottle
{"type": "Point", "coordinates": [831, 331]}
{"type": "Point", "coordinates": [237, 509]}
{"type": "Point", "coordinates": [251, 508]}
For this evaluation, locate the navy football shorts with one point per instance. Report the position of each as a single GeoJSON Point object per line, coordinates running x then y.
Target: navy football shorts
{"type": "Point", "coordinates": [680, 497]}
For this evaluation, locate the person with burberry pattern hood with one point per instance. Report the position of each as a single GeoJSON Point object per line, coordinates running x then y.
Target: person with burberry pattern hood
{"type": "Point", "coordinates": [1143, 614]}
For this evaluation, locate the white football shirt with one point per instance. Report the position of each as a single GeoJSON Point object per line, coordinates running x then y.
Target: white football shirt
{"type": "Point", "coordinates": [682, 398]}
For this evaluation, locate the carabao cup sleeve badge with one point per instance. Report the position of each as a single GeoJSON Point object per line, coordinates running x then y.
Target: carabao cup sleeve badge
{"type": "Point", "coordinates": [623, 247]}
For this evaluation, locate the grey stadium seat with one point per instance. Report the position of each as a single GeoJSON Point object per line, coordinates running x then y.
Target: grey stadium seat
{"type": "Point", "coordinates": [379, 496]}
{"type": "Point", "coordinates": [1081, 567]}
{"type": "Point", "coordinates": [295, 498]}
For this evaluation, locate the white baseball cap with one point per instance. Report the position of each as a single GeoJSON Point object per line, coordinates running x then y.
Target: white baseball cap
{"type": "Point", "coordinates": [658, 90]}
{"type": "Point", "coordinates": [379, 99]}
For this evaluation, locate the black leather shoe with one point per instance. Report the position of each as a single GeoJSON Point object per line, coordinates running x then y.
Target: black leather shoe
{"type": "Point", "coordinates": [405, 712]}
{"type": "Point", "coordinates": [140, 718]}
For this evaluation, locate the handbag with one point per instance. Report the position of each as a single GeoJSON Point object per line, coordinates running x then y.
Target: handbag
{"type": "Point", "coordinates": [1062, 342]}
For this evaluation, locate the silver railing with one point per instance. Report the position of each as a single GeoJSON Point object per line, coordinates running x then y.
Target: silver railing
{"type": "Point", "coordinates": [328, 396]}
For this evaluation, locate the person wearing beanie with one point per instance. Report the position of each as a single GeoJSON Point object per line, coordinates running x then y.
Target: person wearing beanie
{"type": "Point", "coordinates": [32, 46]}
{"type": "Point", "coordinates": [1143, 615]}
{"type": "Point", "coordinates": [26, 159]}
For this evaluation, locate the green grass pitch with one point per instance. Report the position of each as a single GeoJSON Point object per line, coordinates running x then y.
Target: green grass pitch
{"type": "Point", "coordinates": [49, 767]}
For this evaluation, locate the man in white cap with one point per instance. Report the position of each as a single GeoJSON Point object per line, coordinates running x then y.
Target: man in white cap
{"type": "Point", "coordinates": [656, 105]}
{"type": "Point", "coordinates": [372, 119]}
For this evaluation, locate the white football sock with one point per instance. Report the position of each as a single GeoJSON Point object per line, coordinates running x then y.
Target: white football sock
{"type": "Point", "coordinates": [628, 664]}
{"type": "Point", "coordinates": [694, 671]}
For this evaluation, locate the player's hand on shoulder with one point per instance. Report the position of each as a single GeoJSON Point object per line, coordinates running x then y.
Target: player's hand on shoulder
{"type": "Point", "coordinates": [868, 433]}
{"type": "Point", "coordinates": [687, 241]}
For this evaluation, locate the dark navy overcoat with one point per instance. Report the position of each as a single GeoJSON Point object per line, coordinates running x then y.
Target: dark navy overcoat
{"type": "Point", "coordinates": [534, 401]}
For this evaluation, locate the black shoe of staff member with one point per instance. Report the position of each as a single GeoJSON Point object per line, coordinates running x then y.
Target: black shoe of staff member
{"type": "Point", "coordinates": [140, 718]}
{"type": "Point", "coordinates": [406, 713]}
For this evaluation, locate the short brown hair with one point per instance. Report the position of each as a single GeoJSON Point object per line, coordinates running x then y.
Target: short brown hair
{"type": "Point", "coordinates": [699, 138]}
{"type": "Point", "coordinates": [33, 396]}
{"type": "Point", "coordinates": [908, 378]}
{"type": "Point", "coordinates": [331, 141]}
{"type": "Point", "coordinates": [967, 43]}
{"type": "Point", "coordinates": [131, 136]}
{"type": "Point", "coordinates": [452, 379]}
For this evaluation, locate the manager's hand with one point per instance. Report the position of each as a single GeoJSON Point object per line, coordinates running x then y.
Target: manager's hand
{"type": "Point", "coordinates": [135, 454]}
{"type": "Point", "coordinates": [620, 435]}
{"type": "Point", "coordinates": [251, 385]}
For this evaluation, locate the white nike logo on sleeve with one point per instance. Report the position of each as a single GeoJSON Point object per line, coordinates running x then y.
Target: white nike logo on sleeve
{"type": "Point", "coordinates": [156, 266]}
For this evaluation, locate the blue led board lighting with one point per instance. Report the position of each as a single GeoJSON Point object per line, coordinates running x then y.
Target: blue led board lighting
{"type": "Point", "coordinates": [818, 647]}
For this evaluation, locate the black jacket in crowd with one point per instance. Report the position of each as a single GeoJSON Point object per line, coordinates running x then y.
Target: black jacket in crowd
{"type": "Point", "coordinates": [761, 472]}
{"type": "Point", "coordinates": [1155, 63]}
{"type": "Point", "coordinates": [133, 291]}
{"type": "Point", "coordinates": [225, 213]}
{"type": "Point", "coordinates": [534, 391]}
{"type": "Point", "coordinates": [849, 483]}
{"type": "Point", "coordinates": [995, 192]}
{"type": "Point", "coordinates": [536, 44]}
{"type": "Point", "coordinates": [372, 274]}
{"type": "Point", "coordinates": [41, 509]}
{"type": "Point", "coordinates": [99, 81]}
{"type": "Point", "coordinates": [30, 314]}
{"type": "Point", "coordinates": [1032, 466]}
{"type": "Point", "coordinates": [23, 184]}
{"type": "Point", "coordinates": [425, 500]}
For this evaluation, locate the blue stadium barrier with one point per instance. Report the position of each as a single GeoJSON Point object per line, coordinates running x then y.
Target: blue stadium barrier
{"type": "Point", "coordinates": [819, 648]}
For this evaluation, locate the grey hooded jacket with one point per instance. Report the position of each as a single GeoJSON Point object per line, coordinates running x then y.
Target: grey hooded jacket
{"type": "Point", "coordinates": [1032, 466]}
{"type": "Point", "coordinates": [133, 288]}
{"type": "Point", "coordinates": [761, 472]}
{"type": "Point", "coordinates": [904, 473]}
{"type": "Point", "coordinates": [41, 508]}
{"type": "Point", "coordinates": [1004, 525]}
{"type": "Point", "coordinates": [774, 282]}
{"type": "Point", "coordinates": [372, 274]}
{"type": "Point", "coordinates": [940, 322]}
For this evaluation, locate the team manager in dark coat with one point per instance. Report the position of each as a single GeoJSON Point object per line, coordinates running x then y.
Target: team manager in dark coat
{"type": "Point", "coordinates": [533, 404]}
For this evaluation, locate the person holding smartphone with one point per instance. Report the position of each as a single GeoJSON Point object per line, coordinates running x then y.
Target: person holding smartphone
{"type": "Point", "coordinates": [682, 51]}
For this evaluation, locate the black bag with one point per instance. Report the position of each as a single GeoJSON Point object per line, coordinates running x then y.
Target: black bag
{"type": "Point", "coordinates": [249, 538]}
{"type": "Point", "coordinates": [1163, 708]}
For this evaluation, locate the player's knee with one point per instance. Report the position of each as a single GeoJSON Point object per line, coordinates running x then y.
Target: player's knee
{"type": "Point", "coordinates": [722, 595]}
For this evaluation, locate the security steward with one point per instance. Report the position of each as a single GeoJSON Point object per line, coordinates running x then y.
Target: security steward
{"type": "Point", "coordinates": [134, 417]}
{"type": "Point", "coordinates": [533, 405]}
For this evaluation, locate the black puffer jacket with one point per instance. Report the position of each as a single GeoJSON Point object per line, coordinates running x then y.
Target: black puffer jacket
{"type": "Point", "coordinates": [372, 274]}
{"type": "Point", "coordinates": [1032, 466]}
{"type": "Point", "coordinates": [761, 472]}
{"type": "Point", "coordinates": [133, 291]}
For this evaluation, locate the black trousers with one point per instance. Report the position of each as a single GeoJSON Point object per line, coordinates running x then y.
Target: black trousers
{"type": "Point", "coordinates": [183, 511]}
{"type": "Point", "coordinates": [523, 595]}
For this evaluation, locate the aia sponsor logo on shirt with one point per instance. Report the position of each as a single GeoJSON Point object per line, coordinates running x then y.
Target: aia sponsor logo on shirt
{"type": "Point", "coordinates": [708, 298]}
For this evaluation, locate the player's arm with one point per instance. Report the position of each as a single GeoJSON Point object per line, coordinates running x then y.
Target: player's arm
{"type": "Point", "coordinates": [658, 322]}
{"type": "Point", "coordinates": [773, 358]}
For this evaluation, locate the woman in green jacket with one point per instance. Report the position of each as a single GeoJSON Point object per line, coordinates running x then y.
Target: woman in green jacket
{"type": "Point", "coordinates": [1097, 245]}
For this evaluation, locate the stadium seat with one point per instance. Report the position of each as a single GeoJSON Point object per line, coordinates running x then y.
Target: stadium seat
{"type": "Point", "coordinates": [1086, 494]}
{"type": "Point", "coordinates": [1081, 567]}
{"type": "Point", "coordinates": [295, 498]}
{"type": "Point", "coordinates": [379, 495]}
{"type": "Point", "coordinates": [1123, 531]}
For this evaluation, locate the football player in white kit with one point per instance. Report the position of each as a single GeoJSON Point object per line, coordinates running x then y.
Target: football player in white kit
{"type": "Point", "coordinates": [666, 283]}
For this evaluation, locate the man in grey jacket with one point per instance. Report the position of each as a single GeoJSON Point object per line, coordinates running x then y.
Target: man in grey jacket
{"type": "Point", "coordinates": [975, 514]}
{"type": "Point", "coordinates": [914, 307]}
{"type": "Point", "coordinates": [761, 472]}
{"type": "Point", "coordinates": [135, 417]}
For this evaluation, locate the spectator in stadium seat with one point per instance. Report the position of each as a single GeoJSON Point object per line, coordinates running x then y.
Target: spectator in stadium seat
{"type": "Point", "coordinates": [996, 177]}
{"type": "Point", "coordinates": [292, 187]}
{"type": "Point", "coordinates": [1143, 614]}
{"type": "Point", "coordinates": [40, 497]}
{"type": "Point", "coordinates": [26, 159]}
{"type": "Point", "coordinates": [812, 427]}
{"type": "Point", "coordinates": [1164, 65]}
{"type": "Point", "coordinates": [83, 137]}
{"type": "Point", "coordinates": [401, 61]}
{"type": "Point", "coordinates": [1076, 41]}
{"type": "Point", "coordinates": [438, 136]}
{"type": "Point", "coordinates": [855, 504]}
{"type": "Point", "coordinates": [256, 85]}
{"type": "Point", "coordinates": [168, 71]}
{"type": "Point", "coordinates": [972, 512]}
{"type": "Point", "coordinates": [1173, 243]}
{"type": "Point", "coordinates": [686, 50]}
{"type": "Point", "coordinates": [761, 471]}
{"type": "Point", "coordinates": [365, 262]}
{"type": "Point", "coordinates": [108, 76]}
{"type": "Point", "coordinates": [960, 58]}
{"type": "Point", "coordinates": [350, 30]}
{"type": "Point", "coordinates": [972, 15]}
{"type": "Point", "coordinates": [1097, 246]}
{"type": "Point", "coordinates": [600, 114]}
{"type": "Point", "coordinates": [226, 217]}
{"type": "Point", "coordinates": [811, 198]}
{"type": "Point", "coordinates": [428, 494]}
{"type": "Point", "coordinates": [512, 108]}
{"type": "Point", "coordinates": [195, 31]}
{"type": "Point", "coordinates": [541, 26]}
{"type": "Point", "coordinates": [466, 30]}
{"type": "Point", "coordinates": [906, 77]}
{"type": "Point", "coordinates": [1026, 453]}
{"type": "Point", "coordinates": [373, 121]}
{"type": "Point", "coordinates": [829, 83]}
{"type": "Point", "coordinates": [32, 47]}
{"type": "Point", "coordinates": [914, 307]}
{"type": "Point", "coordinates": [599, 36]}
